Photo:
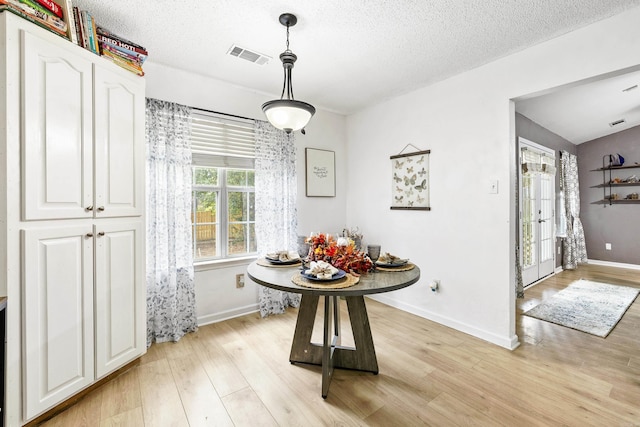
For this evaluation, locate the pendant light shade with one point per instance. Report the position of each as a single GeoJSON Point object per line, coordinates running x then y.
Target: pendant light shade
{"type": "Point", "coordinates": [287, 113]}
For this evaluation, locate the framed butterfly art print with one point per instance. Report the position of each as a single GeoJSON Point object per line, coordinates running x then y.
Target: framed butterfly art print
{"type": "Point", "coordinates": [410, 181]}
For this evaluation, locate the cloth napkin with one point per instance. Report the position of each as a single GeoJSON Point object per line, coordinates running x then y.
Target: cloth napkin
{"type": "Point", "coordinates": [321, 269]}
{"type": "Point", "coordinates": [283, 256]}
{"type": "Point", "coordinates": [387, 258]}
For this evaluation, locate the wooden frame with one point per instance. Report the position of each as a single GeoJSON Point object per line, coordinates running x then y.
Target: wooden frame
{"type": "Point", "coordinates": [320, 172]}
{"type": "Point", "coordinates": [410, 181]}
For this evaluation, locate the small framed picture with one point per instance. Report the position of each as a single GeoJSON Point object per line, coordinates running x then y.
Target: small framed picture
{"type": "Point", "coordinates": [321, 172]}
{"type": "Point", "coordinates": [410, 181]}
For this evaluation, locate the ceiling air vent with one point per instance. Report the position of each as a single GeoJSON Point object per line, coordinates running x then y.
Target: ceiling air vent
{"type": "Point", "coordinates": [617, 122]}
{"type": "Point", "coordinates": [255, 57]}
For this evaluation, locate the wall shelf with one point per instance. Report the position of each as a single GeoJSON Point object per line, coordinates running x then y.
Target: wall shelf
{"type": "Point", "coordinates": [608, 186]}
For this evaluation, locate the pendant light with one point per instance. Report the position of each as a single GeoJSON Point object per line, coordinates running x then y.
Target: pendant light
{"type": "Point", "coordinates": [287, 113]}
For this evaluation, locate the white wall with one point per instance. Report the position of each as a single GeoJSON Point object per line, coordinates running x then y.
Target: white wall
{"type": "Point", "coordinates": [467, 239]}
{"type": "Point", "coordinates": [216, 295]}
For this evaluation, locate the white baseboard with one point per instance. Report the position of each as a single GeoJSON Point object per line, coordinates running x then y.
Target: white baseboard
{"type": "Point", "coordinates": [558, 269]}
{"type": "Point", "coordinates": [614, 264]}
{"type": "Point", "coordinates": [229, 314]}
{"type": "Point", "coordinates": [510, 343]}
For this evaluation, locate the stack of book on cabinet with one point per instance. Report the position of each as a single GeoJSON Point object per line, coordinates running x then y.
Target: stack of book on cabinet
{"type": "Point", "coordinates": [121, 51]}
{"type": "Point", "coordinates": [51, 15]}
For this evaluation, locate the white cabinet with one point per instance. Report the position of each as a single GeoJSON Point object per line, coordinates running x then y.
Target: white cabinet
{"type": "Point", "coordinates": [69, 172]}
{"type": "Point", "coordinates": [58, 312]}
{"type": "Point", "coordinates": [120, 298]}
{"type": "Point", "coordinates": [71, 217]}
{"type": "Point", "coordinates": [66, 314]}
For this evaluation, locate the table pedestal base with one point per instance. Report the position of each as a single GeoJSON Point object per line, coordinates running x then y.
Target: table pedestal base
{"type": "Point", "coordinates": [330, 354]}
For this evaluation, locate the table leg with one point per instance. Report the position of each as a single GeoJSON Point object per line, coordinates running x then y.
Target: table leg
{"type": "Point", "coordinates": [331, 354]}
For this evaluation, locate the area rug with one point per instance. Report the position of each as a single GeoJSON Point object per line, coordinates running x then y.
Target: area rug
{"type": "Point", "coordinates": [591, 307]}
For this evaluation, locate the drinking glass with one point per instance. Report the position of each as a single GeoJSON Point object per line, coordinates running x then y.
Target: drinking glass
{"type": "Point", "coordinates": [303, 247]}
{"type": "Point", "coordinates": [374, 252]}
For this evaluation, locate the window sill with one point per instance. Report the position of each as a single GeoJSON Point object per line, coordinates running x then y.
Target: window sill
{"type": "Point", "coordinates": [223, 263]}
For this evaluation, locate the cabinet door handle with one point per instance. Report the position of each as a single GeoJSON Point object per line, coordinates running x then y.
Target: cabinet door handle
{"type": "Point", "coordinates": [89, 208]}
{"type": "Point", "coordinates": [541, 220]}
{"type": "Point", "coordinates": [100, 208]}
{"type": "Point", "coordinates": [89, 235]}
{"type": "Point", "coordinates": [101, 233]}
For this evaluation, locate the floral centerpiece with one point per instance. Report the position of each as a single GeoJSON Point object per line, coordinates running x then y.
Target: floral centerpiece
{"type": "Point", "coordinates": [340, 253]}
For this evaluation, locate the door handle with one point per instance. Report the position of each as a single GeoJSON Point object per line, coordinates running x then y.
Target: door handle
{"type": "Point", "coordinates": [541, 220]}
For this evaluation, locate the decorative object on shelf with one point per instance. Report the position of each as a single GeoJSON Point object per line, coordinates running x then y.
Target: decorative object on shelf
{"type": "Point", "coordinates": [338, 253]}
{"type": "Point", "coordinates": [632, 196]}
{"type": "Point", "coordinates": [610, 163]}
{"type": "Point", "coordinates": [320, 172]}
{"type": "Point", "coordinates": [288, 114]}
{"type": "Point", "coordinates": [410, 180]}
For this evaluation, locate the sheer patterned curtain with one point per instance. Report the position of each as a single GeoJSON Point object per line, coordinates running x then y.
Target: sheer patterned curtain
{"type": "Point", "coordinates": [170, 275]}
{"type": "Point", "coordinates": [574, 246]}
{"type": "Point", "coordinates": [276, 217]}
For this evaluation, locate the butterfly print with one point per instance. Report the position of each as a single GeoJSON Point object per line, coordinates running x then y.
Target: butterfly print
{"type": "Point", "coordinates": [399, 199]}
{"type": "Point", "coordinates": [411, 203]}
{"type": "Point", "coordinates": [409, 160]}
{"type": "Point", "coordinates": [422, 172]}
{"type": "Point", "coordinates": [409, 192]}
{"type": "Point", "coordinates": [422, 186]}
{"type": "Point", "coordinates": [421, 160]}
{"type": "Point", "coordinates": [396, 178]}
{"type": "Point", "coordinates": [410, 181]}
{"type": "Point", "coordinates": [398, 189]}
{"type": "Point", "coordinates": [399, 164]}
{"type": "Point", "coordinates": [420, 199]}
{"type": "Point", "coordinates": [410, 170]}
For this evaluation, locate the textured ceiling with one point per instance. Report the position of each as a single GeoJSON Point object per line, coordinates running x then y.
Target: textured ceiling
{"type": "Point", "coordinates": [351, 54]}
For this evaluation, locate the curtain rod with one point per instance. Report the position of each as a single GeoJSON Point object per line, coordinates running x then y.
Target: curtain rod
{"type": "Point", "coordinates": [223, 114]}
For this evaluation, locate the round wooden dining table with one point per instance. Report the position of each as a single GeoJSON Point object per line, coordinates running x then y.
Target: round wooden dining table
{"type": "Point", "coordinates": [331, 354]}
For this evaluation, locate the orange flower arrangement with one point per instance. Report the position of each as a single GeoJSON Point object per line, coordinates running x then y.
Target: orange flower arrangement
{"type": "Point", "coordinates": [341, 254]}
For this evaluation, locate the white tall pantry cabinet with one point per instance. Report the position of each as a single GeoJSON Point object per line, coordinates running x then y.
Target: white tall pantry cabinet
{"type": "Point", "coordinates": [71, 217]}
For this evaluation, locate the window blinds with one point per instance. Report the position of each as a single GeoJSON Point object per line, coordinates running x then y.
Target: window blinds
{"type": "Point", "coordinates": [222, 142]}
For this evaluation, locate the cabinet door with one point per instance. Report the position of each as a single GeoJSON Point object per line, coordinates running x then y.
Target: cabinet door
{"type": "Point", "coordinates": [119, 144]}
{"type": "Point", "coordinates": [58, 315]}
{"type": "Point", "coordinates": [120, 294]}
{"type": "Point", "coordinates": [57, 139]}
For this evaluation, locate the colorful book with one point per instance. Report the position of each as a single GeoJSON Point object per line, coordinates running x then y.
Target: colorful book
{"type": "Point", "coordinates": [120, 52]}
{"type": "Point", "coordinates": [76, 23]}
{"type": "Point", "coordinates": [36, 6]}
{"type": "Point", "coordinates": [127, 65]}
{"type": "Point", "coordinates": [88, 30]}
{"type": "Point", "coordinates": [104, 42]}
{"type": "Point", "coordinates": [120, 41]}
{"type": "Point", "coordinates": [52, 6]}
{"type": "Point", "coordinates": [32, 15]}
{"type": "Point", "coordinates": [67, 14]}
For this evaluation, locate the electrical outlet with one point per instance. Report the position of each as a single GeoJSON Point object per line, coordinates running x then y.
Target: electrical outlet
{"type": "Point", "coordinates": [239, 280]}
{"type": "Point", "coordinates": [607, 246]}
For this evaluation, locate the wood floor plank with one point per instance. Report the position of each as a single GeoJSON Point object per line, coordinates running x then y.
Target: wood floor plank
{"type": "Point", "coordinates": [121, 395]}
{"type": "Point", "coordinates": [246, 409]}
{"type": "Point", "coordinates": [201, 403]}
{"type": "Point", "coordinates": [160, 398]}
{"type": "Point", "coordinates": [131, 418]}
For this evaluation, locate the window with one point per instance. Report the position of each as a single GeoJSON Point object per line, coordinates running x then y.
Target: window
{"type": "Point", "coordinates": [223, 199]}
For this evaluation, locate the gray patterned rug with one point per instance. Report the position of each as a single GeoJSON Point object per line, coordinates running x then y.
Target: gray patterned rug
{"type": "Point", "coordinates": [592, 307]}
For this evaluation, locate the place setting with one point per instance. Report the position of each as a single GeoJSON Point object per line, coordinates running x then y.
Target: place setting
{"type": "Point", "coordinates": [322, 275]}
{"type": "Point", "coordinates": [390, 262]}
{"type": "Point", "coordinates": [280, 259]}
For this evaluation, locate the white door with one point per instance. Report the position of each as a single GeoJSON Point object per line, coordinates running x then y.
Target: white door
{"type": "Point", "coordinates": [119, 144]}
{"type": "Point", "coordinates": [58, 136]}
{"type": "Point", "coordinates": [58, 315]}
{"type": "Point", "coordinates": [120, 294]}
{"type": "Point", "coordinates": [537, 211]}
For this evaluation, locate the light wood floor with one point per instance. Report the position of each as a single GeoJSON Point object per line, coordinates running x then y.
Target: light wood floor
{"type": "Point", "coordinates": [237, 373]}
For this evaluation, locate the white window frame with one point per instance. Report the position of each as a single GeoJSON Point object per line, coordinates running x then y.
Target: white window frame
{"type": "Point", "coordinates": [225, 143]}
